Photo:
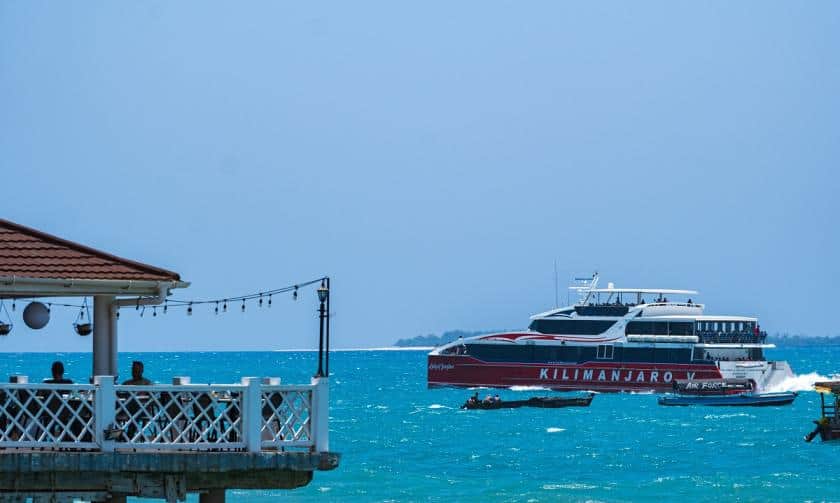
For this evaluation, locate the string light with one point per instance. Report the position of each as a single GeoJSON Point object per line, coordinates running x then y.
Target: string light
{"type": "Point", "coordinates": [264, 298]}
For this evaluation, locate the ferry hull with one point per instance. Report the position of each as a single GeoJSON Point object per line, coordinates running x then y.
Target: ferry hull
{"type": "Point", "coordinates": [465, 371]}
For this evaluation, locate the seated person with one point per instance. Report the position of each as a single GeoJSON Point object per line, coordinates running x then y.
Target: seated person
{"type": "Point", "coordinates": [57, 371]}
{"type": "Point", "coordinates": [137, 378]}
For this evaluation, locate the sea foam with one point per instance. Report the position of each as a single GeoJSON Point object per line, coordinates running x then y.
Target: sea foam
{"type": "Point", "coordinates": [799, 382]}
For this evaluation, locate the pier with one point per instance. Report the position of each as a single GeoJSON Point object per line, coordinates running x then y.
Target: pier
{"type": "Point", "coordinates": [103, 441]}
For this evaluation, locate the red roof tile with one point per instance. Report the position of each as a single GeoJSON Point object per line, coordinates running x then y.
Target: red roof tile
{"type": "Point", "coordinates": [31, 253]}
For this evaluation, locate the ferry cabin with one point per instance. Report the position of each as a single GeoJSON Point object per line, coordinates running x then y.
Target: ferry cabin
{"type": "Point", "coordinates": [653, 340]}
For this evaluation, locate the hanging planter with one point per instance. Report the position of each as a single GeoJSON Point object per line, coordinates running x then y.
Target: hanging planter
{"type": "Point", "coordinates": [5, 328]}
{"type": "Point", "coordinates": [81, 326]}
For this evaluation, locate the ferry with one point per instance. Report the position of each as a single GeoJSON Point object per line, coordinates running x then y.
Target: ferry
{"type": "Point", "coordinates": [613, 339]}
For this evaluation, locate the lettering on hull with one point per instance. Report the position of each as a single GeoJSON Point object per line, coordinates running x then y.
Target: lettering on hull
{"type": "Point", "coordinates": [610, 375]}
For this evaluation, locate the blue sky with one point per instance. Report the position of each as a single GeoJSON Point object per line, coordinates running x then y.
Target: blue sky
{"type": "Point", "coordinates": [434, 159]}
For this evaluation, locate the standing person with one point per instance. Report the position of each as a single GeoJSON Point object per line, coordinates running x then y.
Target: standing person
{"type": "Point", "coordinates": [57, 371]}
{"type": "Point", "coordinates": [137, 378]}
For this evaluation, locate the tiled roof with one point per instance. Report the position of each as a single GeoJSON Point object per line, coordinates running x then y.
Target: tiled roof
{"type": "Point", "coordinates": [30, 253]}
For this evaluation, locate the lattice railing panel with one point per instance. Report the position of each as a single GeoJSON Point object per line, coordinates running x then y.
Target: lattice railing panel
{"type": "Point", "coordinates": [179, 417]}
{"type": "Point", "coordinates": [41, 415]}
{"type": "Point", "coordinates": [286, 416]}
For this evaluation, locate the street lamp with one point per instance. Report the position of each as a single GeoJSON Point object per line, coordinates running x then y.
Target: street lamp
{"type": "Point", "coordinates": [323, 296]}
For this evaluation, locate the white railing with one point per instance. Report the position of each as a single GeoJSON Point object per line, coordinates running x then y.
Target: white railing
{"type": "Point", "coordinates": [54, 415]}
{"type": "Point", "coordinates": [171, 417]}
{"type": "Point", "coordinates": [252, 416]}
{"type": "Point", "coordinates": [286, 416]}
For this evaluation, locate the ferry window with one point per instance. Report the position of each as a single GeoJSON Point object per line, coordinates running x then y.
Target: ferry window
{"type": "Point", "coordinates": [605, 352]}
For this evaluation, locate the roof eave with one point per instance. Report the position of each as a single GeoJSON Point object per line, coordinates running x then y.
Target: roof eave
{"type": "Point", "coordinates": [17, 286]}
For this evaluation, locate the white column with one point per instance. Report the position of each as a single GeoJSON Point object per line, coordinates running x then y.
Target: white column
{"type": "Point", "coordinates": [321, 413]}
{"type": "Point", "coordinates": [104, 410]}
{"type": "Point", "coordinates": [252, 414]}
{"type": "Point", "coordinates": [102, 335]}
{"type": "Point", "coordinates": [112, 347]}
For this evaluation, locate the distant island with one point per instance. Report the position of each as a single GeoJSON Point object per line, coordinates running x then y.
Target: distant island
{"type": "Point", "coordinates": [784, 339]}
{"type": "Point", "coordinates": [799, 340]}
{"type": "Point", "coordinates": [439, 340]}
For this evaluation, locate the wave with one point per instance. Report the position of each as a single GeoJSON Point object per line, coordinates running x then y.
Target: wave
{"type": "Point", "coordinates": [554, 430]}
{"type": "Point", "coordinates": [799, 382]}
{"type": "Point", "coordinates": [528, 388]}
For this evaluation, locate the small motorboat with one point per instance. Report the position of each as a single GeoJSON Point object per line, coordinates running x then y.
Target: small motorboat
{"type": "Point", "coordinates": [828, 425]}
{"type": "Point", "coordinates": [723, 392]}
{"type": "Point", "coordinates": [545, 402]}
{"type": "Point", "coordinates": [748, 399]}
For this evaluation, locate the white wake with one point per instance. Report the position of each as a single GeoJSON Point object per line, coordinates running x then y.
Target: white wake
{"type": "Point", "coordinates": [800, 382]}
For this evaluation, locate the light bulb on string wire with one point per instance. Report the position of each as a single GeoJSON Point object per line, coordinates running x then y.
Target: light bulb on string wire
{"type": "Point", "coordinates": [189, 310]}
{"type": "Point", "coordinates": [260, 304]}
{"type": "Point", "coordinates": [295, 294]}
{"type": "Point", "coordinates": [269, 300]}
{"type": "Point", "coordinates": [142, 311]}
{"type": "Point", "coordinates": [224, 306]}
{"type": "Point", "coordinates": [243, 305]}
{"type": "Point", "coordinates": [217, 307]}
{"type": "Point", "coordinates": [165, 306]}
{"type": "Point", "coordinates": [154, 311]}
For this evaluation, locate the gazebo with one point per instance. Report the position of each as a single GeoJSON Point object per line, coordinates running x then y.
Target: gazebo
{"type": "Point", "coordinates": [37, 264]}
{"type": "Point", "coordinates": [102, 441]}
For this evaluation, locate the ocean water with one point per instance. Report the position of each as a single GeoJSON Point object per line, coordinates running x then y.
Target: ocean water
{"type": "Point", "coordinates": [400, 441]}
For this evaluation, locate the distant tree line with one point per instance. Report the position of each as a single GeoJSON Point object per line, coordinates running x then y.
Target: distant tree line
{"type": "Point", "coordinates": [439, 340]}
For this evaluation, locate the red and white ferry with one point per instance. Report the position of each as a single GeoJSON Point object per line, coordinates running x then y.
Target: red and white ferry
{"type": "Point", "coordinates": [613, 339]}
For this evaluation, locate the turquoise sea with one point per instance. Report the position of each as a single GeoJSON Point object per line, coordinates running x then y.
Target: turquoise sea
{"type": "Point", "coordinates": [400, 441]}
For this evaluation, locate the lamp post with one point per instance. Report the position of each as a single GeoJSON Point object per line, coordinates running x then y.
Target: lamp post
{"type": "Point", "coordinates": [327, 336]}
{"type": "Point", "coordinates": [323, 295]}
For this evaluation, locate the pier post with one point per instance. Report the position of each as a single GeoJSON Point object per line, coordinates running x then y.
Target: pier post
{"type": "Point", "coordinates": [321, 413]}
{"type": "Point", "coordinates": [252, 414]}
{"type": "Point", "coordinates": [104, 410]}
